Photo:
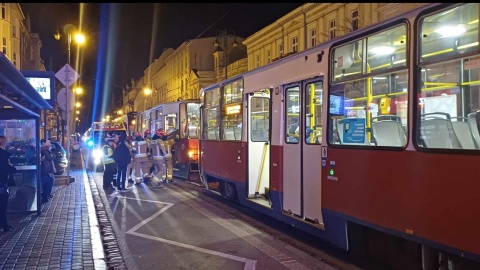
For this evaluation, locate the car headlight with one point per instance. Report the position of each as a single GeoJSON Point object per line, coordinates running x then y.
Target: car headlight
{"type": "Point", "coordinates": [97, 153]}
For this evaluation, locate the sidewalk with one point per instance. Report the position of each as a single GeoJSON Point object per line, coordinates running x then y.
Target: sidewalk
{"type": "Point", "coordinates": [64, 236]}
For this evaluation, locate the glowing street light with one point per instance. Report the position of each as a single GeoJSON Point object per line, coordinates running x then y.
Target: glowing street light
{"type": "Point", "coordinates": [78, 104]}
{"type": "Point", "coordinates": [80, 38]}
{"type": "Point", "coordinates": [147, 91]}
{"type": "Point", "coordinates": [79, 90]}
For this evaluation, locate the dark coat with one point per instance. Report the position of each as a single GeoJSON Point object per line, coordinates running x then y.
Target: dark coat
{"type": "Point", "coordinates": [122, 155]}
{"type": "Point", "coordinates": [5, 167]}
{"type": "Point", "coordinates": [47, 164]}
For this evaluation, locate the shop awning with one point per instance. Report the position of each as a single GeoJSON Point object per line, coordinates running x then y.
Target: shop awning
{"type": "Point", "coordinates": [13, 81]}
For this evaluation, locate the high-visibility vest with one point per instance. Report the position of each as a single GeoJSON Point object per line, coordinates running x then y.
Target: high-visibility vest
{"type": "Point", "coordinates": [107, 155]}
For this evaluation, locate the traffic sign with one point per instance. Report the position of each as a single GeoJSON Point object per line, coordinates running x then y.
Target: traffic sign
{"type": "Point", "coordinates": [63, 103]}
{"type": "Point", "coordinates": [67, 75]}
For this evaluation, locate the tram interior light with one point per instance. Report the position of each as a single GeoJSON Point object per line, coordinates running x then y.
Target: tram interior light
{"type": "Point", "coordinates": [382, 50]}
{"type": "Point", "coordinates": [450, 31]}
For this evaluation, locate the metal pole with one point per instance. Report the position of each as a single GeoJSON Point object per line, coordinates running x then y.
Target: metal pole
{"type": "Point", "coordinates": [68, 110]}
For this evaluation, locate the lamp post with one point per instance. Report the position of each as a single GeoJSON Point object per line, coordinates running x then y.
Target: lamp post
{"type": "Point", "coordinates": [80, 39]}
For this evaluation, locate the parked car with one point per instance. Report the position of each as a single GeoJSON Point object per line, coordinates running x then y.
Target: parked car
{"type": "Point", "coordinates": [60, 160]}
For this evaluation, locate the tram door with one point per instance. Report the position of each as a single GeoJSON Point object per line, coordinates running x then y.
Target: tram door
{"type": "Point", "coordinates": [259, 146]}
{"type": "Point", "coordinates": [302, 150]}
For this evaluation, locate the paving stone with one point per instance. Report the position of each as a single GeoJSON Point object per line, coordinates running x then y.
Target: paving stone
{"type": "Point", "coordinates": [58, 238]}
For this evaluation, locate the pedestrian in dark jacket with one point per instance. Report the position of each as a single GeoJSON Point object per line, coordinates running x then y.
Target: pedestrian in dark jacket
{"type": "Point", "coordinates": [47, 170]}
{"type": "Point", "coordinates": [6, 168]}
{"type": "Point", "coordinates": [122, 157]}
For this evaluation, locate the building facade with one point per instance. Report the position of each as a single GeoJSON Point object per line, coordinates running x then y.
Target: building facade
{"type": "Point", "coordinates": [314, 23]}
{"type": "Point", "coordinates": [180, 74]}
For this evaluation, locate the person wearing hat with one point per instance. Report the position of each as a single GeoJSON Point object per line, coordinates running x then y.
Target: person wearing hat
{"type": "Point", "coordinates": [109, 163]}
{"type": "Point", "coordinates": [138, 137]}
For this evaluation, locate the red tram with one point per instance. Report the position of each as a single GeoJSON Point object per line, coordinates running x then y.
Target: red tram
{"type": "Point", "coordinates": [181, 120]}
{"type": "Point", "coordinates": [369, 137]}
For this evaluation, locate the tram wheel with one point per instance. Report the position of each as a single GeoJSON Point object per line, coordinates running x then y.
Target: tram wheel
{"type": "Point", "coordinates": [230, 190]}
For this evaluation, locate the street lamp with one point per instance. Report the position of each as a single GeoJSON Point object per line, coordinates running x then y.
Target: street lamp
{"type": "Point", "coordinates": [69, 29]}
{"type": "Point", "coordinates": [148, 92]}
{"type": "Point", "coordinates": [79, 90]}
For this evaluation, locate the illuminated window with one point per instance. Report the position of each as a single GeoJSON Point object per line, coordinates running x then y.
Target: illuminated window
{"type": "Point", "coordinates": [268, 57]}
{"type": "Point", "coordinates": [211, 120]}
{"type": "Point", "coordinates": [368, 103]}
{"type": "Point", "coordinates": [448, 92]}
{"type": "Point", "coordinates": [258, 61]}
{"type": "Point", "coordinates": [232, 110]}
{"type": "Point", "coordinates": [280, 50]}
{"type": "Point", "coordinates": [313, 113]}
{"type": "Point", "coordinates": [292, 111]}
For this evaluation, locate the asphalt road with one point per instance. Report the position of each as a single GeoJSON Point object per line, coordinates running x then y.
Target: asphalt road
{"type": "Point", "coordinates": [181, 227]}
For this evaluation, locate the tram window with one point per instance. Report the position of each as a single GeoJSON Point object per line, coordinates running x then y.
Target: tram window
{"type": "Point", "coordinates": [370, 111]}
{"type": "Point", "coordinates": [192, 124]}
{"type": "Point", "coordinates": [211, 120]}
{"type": "Point", "coordinates": [183, 120]}
{"type": "Point", "coordinates": [377, 54]}
{"type": "Point", "coordinates": [170, 123]}
{"type": "Point", "coordinates": [449, 84]}
{"type": "Point", "coordinates": [292, 111]}
{"type": "Point", "coordinates": [232, 111]}
{"type": "Point", "coordinates": [232, 123]}
{"type": "Point", "coordinates": [448, 102]}
{"type": "Point", "coordinates": [260, 119]}
{"type": "Point", "coordinates": [313, 113]}
{"type": "Point", "coordinates": [449, 33]}
{"type": "Point", "coordinates": [232, 93]}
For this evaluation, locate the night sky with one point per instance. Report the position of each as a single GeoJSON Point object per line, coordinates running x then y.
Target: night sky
{"type": "Point", "coordinates": [130, 49]}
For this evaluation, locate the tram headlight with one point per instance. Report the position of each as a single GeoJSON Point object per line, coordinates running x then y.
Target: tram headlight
{"type": "Point", "coordinates": [96, 161]}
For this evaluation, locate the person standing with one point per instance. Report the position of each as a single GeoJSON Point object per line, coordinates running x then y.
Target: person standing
{"type": "Point", "coordinates": [130, 167]}
{"type": "Point", "coordinates": [47, 170]}
{"type": "Point", "coordinates": [109, 164]}
{"type": "Point", "coordinates": [5, 168]}
{"type": "Point", "coordinates": [122, 158]}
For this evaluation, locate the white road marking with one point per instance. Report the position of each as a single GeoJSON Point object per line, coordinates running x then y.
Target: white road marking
{"type": "Point", "coordinates": [97, 246]}
{"type": "Point", "coordinates": [261, 245]}
{"type": "Point", "coordinates": [249, 264]}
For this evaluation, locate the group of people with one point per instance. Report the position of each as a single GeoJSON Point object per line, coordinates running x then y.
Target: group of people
{"type": "Point", "coordinates": [147, 158]}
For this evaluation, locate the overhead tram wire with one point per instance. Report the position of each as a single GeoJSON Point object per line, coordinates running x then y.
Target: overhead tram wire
{"type": "Point", "coordinates": [225, 14]}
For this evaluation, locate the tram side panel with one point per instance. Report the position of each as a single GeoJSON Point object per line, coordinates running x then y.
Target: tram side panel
{"type": "Point", "coordinates": [186, 157]}
{"type": "Point", "coordinates": [425, 196]}
{"type": "Point", "coordinates": [225, 163]}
